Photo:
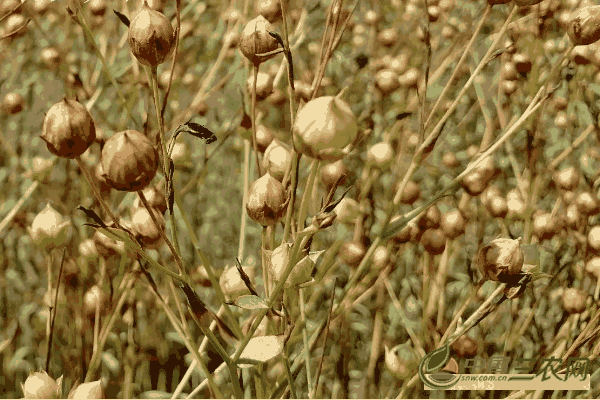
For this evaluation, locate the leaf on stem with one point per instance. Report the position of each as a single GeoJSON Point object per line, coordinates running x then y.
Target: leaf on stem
{"type": "Point", "coordinates": [249, 302]}
{"type": "Point", "coordinates": [123, 18]}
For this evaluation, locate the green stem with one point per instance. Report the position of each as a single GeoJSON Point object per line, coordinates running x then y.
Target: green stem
{"type": "Point", "coordinates": [307, 193]}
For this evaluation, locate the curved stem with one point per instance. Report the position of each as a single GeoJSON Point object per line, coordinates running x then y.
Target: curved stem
{"type": "Point", "coordinates": [254, 144]}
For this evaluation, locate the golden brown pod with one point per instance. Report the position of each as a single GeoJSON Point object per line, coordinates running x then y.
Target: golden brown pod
{"type": "Point", "coordinates": [584, 25]}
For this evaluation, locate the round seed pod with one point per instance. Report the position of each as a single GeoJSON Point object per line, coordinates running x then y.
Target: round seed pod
{"type": "Point", "coordinates": [256, 40]}
{"type": "Point", "coordinates": [522, 62]}
{"type": "Point", "coordinates": [270, 9]}
{"type": "Point", "coordinates": [266, 200]}
{"type": "Point", "coordinates": [500, 259]}
{"type": "Point", "coordinates": [581, 55]}
{"type": "Point", "coordinates": [89, 390]}
{"type": "Point", "coordinates": [232, 284]}
{"type": "Point", "coordinates": [388, 37]}
{"type": "Point", "coordinates": [386, 80]}
{"type": "Point", "coordinates": [347, 210]}
{"type": "Point", "coordinates": [583, 26]}
{"type": "Point", "coordinates": [129, 161]}
{"type": "Point", "coordinates": [264, 85]}
{"type": "Point", "coordinates": [331, 172]}
{"type": "Point", "coordinates": [544, 226]}
{"type": "Point", "coordinates": [49, 229]}
{"type": "Point", "coordinates": [68, 129]}
{"type": "Point", "coordinates": [15, 26]}
{"type": "Point", "coordinates": [410, 78]}
{"type": "Point", "coordinates": [498, 207]}
{"type": "Point", "coordinates": [264, 138]}
{"type": "Point", "coordinates": [371, 17]}
{"type": "Point", "coordinates": [39, 385]}
{"type": "Point", "coordinates": [155, 197]}
{"type": "Point", "coordinates": [381, 257]}
{"type": "Point", "coordinates": [567, 178]}
{"type": "Point", "coordinates": [93, 296]}
{"type": "Point", "coordinates": [324, 129]}
{"type": "Point", "coordinates": [488, 194]}
{"type": "Point", "coordinates": [276, 160]}
{"type": "Point", "coordinates": [508, 71]}
{"type": "Point", "coordinates": [573, 217]}
{"type": "Point", "coordinates": [449, 160]}
{"type": "Point", "coordinates": [433, 13]}
{"type": "Point", "coordinates": [474, 183]}
{"type": "Point", "coordinates": [573, 300]}
{"type": "Point", "coordinates": [13, 103]}
{"type": "Point", "coordinates": [381, 155]}
{"type": "Point", "coordinates": [587, 204]}
{"type": "Point", "coordinates": [151, 36]}
{"type": "Point", "coordinates": [97, 7]}
{"type": "Point", "coordinates": [87, 249]}
{"type": "Point", "coordinates": [50, 58]}
{"type": "Point", "coordinates": [434, 241]}
{"type": "Point", "coordinates": [411, 192]}
{"type": "Point", "coordinates": [352, 253]}
{"type": "Point", "coordinates": [509, 87]}
{"type": "Point", "coordinates": [594, 238]}
{"type": "Point", "coordinates": [145, 229]}
{"type": "Point", "coordinates": [453, 224]}
{"type": "Point", "coordinates": [593, 267]}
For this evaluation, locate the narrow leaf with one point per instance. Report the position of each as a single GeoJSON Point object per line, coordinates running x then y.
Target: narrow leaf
{"type": "Point", "coordinates": [123, 18]}
{"type": "Point", "coordinates": [250, 302]}
{"type": "Point", "coordinates": [92, 215]}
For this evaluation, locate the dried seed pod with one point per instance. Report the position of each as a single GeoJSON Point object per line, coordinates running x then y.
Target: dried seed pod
{"type": "Point", "coordinates": [388, 37]}
{"type": "Point", "coordinates": [129, 161]}
{"type": "Point", "coordinates": [583, 25]}
{"type": "Point", "coordinates": [449, 160]}
{"type": "Point", "coordinates": [498, 207]}
{"type": "Point", "coordinates": [544, 226]}
{"type": "Point", "coordinates": [500, 259]}
{"type": "Point", "coordinates": [567, 178]}
{"type": "Point", "coordinates": [151, 36]}
{"type": "Point", "coordinates": [573, 300]}
{"type": "Point", "coordinates": [573, 217]}
{"type": "Point", "coordinates": [594, 238]}
{"type": "Point", "coordinates": [593, 267]}
{"type": "Point", "coordinates": [68, 129]}
{"type": "Point", "coordinates": [50, 57]}
{"type": "Point", "coordinates": [434, 241]}
{"type": "Point", "coordinates": [49, 229]}
{"type": "Point", "coordinates": [410, 78]}
{"type": "Point", "coordinates": [381, 257]}
{"type": "Point", "coordinates": [256, 40]}
{"type": "Point", "coordinates": [145, 229]}
{"type": "Point", "coordinates": [474, 183]}
{"type": "Point", "coordinates": [270, 9]}
{"type": "Point", "coordinates": [89, 390]}
{"type": "Point", "coordinates": [411, 192]}
{"type": "Point", "coordinates": [386, 80]}
{"type": "Point", "coordinates": [13, 103]}
{"type": "Point", "coordinates": [264, 85]}
{"type": "Point", "coordinates": [264, 138]}
{"type": "Point", "coordinates": [453, 224]}
{"type": "Point", "coordinates": [232, 284]}
{"type": "Point", "coordinates": [331, 172]}
{"type": "Point", "coordinates": [95, 296]}
{"type": "Point", "coordinates": [266, 200]}
{"type": "Point", "coordinates": [276, 160]}
{"type": "Point", "coordinates": [279, 260]}
{"type": "Point", "coordinates": [325, 128]}
{"type": "Point", "coordinates": [352, 253]}
{"type": "Point", "coordinates": [155, 197]}
{"type": "Point", "coordinates": [381, 155]}
{"type": "Point", "coordinates": [347, 210]}
{"type": "Point", "coordinates": [87, 250]}
{"type": "Point", "coordinates": [97, 7]}
{"type": "Point", "coordinates": [39, 385]}
{"type": "Point", "coordinates": [587, 204]}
